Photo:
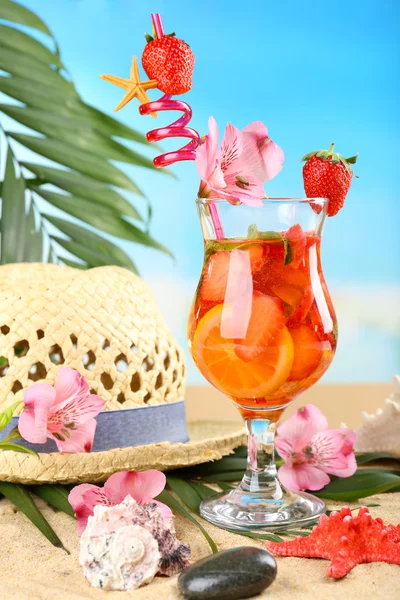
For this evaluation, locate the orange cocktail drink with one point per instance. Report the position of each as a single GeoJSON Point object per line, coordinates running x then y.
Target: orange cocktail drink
{"type": "Point", "coordinates": [262, 327]}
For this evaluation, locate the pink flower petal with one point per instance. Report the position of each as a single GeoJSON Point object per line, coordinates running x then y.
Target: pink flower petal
{"type": "Point", "coordinates": [326, 449]}
{"type": "Point", "coordinates": [350, 468]}
{"type": "Point", "coordinates": [231, 151]}
{"type": "Point", "coordinates": [148, 485]}
{"type": "Point", "coordinates": [216, 179]}
{"type": "Point", "coordinates": [143, 487]}
{"type": "Point", "coordinates": [74, 440]}
{"type": "Point", "coordinates": [333, 452]}
{"type": "Point", "coordinates": [261, 156]}
{"type": "Point", "coordinates": [32, 423]}
{"type": "Point", "coordinates": [165, 510]}
{"type": "Point", "coordinates": [68, 384]}
{"type": "Point", "coordinates": [250, 194]}
{"type": "Point", "coordinates": [302, 477]}
{"type": "Point", "coordinates": [83, 498]}
{"type": "Point", "coordinates": [302, 425]}
{"type": "Point", "coordinates": [119, 486]}
{"type": "Point", "coordinates": [257, 129]}
{"type": "Point", "coordinates": [284, 447]}
{"type": "Point", "coordinates": [350, 438]}
{"type": "Point", "coordinates": [273, 160]}
{"type": "Point", "coordinates": [77, 409]}
{"type": "Point", "coordinates": [287, 477]}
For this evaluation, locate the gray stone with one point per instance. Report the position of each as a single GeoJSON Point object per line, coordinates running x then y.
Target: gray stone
{"type": "Point", "coordinates": [229, 575]}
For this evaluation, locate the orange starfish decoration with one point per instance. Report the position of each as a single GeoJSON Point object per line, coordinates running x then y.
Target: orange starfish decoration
{"type": "Point", "coordinates": [133, 85]}
{"type": "Point", "coordinates": [347, 541]}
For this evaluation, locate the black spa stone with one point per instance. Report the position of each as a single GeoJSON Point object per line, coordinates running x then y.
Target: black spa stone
{"type": "Point", "coordinates": [229, 575]}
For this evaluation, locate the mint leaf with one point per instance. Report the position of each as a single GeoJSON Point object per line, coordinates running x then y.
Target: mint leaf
{"type": "Point", "coordinates": [288, 256]}
{"type": "Point", "coordinates": [3, 361]}
{"type": "Point", "coordinates": [6, 416]}
{"type": "Point", "coordinates": [252, 232]}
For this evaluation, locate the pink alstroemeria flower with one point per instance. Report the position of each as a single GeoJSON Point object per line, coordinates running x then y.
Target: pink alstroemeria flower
{"type": "Point", "coordinates": [311, 451]}
{"type": "Point", "coordinates": [64, 413]}
{"type": "Point", "coordinates": [236, 171]}
{"type": "Point", "coordinates": [142, 487]}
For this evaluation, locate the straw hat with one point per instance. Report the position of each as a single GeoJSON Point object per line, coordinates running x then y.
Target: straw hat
{"type": "Point", "coordinates": [105, 324]}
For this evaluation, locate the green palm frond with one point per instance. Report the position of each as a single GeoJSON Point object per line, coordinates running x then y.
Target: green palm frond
{"type": "Point", "coordinates": [83, 182]}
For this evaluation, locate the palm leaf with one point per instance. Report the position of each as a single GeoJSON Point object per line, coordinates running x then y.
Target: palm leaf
{"type": "Point", "coordinates": [12, 11]}
{"type": "Point", "coordinates": [93, 242]}
{"type": "Point", "coordinates": [23, 501]}
{"type": "Point", "coordinates": [56, 496]}
{"type": "Point", "coordinates": [100, 217]}
{"type": "Point", "coordinates": [13, 209]}
{"type": "Point", "coordinates": [53, 101]}
{"type": "Point", "coordinates": [81, 185]}
{"type": "Point", "coordinates": [22, 65]}
{"type": "Point", "coordinates": [33, 247]}
{"type": "Point", "coordinates": [17, 40]}
{"type": "Point", "coordinates": [73, 132]}
{"type": "Point", "coordinates": [72, 157]}
{"type": "Point", "coordinates": [175, 505]}
{"type": "Point", "coordinates": [76, 137]}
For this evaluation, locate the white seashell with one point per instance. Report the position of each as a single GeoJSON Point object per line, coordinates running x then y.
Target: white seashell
{"type": "Point", "coordinates": [380, 432]}
{"type": "Point", "coordinates": [173, 554]}
{"type": "Point", "coordinates": [117, 558]}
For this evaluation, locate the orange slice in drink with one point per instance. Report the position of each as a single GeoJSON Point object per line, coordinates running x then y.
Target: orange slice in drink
{"type": "Point", "coordinates": [308, 352]}
{"type": "Point", "coordinates": [217, 360]}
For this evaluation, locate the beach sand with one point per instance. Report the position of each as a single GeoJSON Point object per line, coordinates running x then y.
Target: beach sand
{"type": "Point", "coordinates": [32, 569]}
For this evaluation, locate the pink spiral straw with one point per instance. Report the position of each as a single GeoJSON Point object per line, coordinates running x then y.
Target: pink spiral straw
{"type": "Point", "coordinates": [176, 129]}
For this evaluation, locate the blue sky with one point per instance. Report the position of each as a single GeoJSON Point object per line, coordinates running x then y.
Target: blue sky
{"type": "Point", "coordinates": [314, 74]}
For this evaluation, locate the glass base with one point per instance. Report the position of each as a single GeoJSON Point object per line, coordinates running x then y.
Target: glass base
{"type": "Point", "coordinates": [239, 509]}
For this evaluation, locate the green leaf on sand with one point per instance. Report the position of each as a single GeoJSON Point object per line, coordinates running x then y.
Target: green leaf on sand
{"type": "Point", "coordinates": [56, 496]}
{"type": "Point", "coordinates": [271, 537]}
{"type": "Point", "coordinates": [185, 492]}
{"type": "Point", "coordinates": [23, 501]}
{"type": "Point", "coordinates": [367, 457]}
{"type": "Point", "coordinates": [365, 482]}
{"type": "Point", "coordinates": [175, 505]}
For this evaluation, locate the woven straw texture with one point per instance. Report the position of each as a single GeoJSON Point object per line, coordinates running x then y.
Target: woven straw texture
{"type": "Point", "coordinates": [103, 322]}
{"type": "Point", "coordinates": [208, 441]}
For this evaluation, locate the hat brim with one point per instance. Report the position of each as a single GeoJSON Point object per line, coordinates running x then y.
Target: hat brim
{"type": "Point", "coordinates": [209, 440]}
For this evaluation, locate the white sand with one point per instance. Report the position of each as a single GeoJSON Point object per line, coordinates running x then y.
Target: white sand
{"type": "Point", "coordinates": [32, 569]}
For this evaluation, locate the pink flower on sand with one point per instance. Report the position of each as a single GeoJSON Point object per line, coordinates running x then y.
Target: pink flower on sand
{"type": "Point", "coordinates": [142, 487]}
{"type": "Point", "coordinates": [311, 451]}
{"type": "Point", "coordinates": [64, 413]}
{"type": "Point", "coordinates": [235, 172]}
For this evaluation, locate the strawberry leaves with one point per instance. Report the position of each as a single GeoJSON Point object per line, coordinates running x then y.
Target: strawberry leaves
{"type": "Point", "coordinates": [335, 157]}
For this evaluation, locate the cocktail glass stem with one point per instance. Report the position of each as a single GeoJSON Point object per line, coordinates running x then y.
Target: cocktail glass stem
{"type": "Point", "coordinates": [260, 475]}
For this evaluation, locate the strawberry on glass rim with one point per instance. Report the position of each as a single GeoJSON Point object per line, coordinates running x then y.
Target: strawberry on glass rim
{"type": "Point", "coordinates": [328, 174]}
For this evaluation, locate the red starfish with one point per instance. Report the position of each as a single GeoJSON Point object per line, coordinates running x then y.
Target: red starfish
{"type": "Point", "coordinates": [346, 540]}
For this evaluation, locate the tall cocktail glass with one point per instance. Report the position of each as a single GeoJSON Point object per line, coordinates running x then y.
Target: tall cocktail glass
{"type": "Point", "coordinates": [262, 329]}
